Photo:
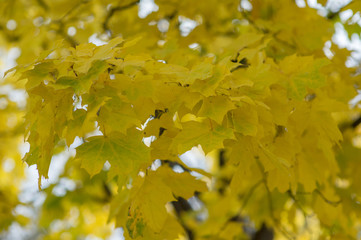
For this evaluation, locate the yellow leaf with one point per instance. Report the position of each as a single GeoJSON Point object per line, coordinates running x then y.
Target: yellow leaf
{"type": "Point", "coordinates": [209, 135]}
{"type": "Point", "coordinates": [244, 120]}
{"type": "Point", "coordinates": [182, 184]}
{"type": "Point", "coordinates": [116, 115]}
{"type": "Point", "coordinates": [152, 195]}
{"type": "Point", "coordinates": [125, 153]}
{"type": "Point", "coordinates": [215, 108]}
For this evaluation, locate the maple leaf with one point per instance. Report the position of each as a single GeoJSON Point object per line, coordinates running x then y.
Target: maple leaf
{"type": "Point", "coordinates": [215, 108]}
{"type": "Point", "coordinates": [208, 136]}
{"type": "Point", "coordinates": [160, 187]}
{"type": "Point", "coordinates": [125, 153]}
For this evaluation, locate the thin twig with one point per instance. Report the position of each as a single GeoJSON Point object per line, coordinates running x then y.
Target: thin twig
{"type": "Point", "coordinates": [249, 195]}
{"type": "Point", "coordinates": [73, 9]}
{"type": "Point", "coordinates": [60, 22]}
{"type": "Point", "coordinates": [43, 4]}
{"type": "Point", "coordinates": [266, 31]}
{"type": "Point", "coordinates": [297, 203]}
{"type": "Point", "coordinates": [114, 10]}
{"type": "Point", "coordinates": [333, 203]}
{"type": "Point", "coordinates": [244, 14]}
{"type": "Point", "coordinates": [270, 203]}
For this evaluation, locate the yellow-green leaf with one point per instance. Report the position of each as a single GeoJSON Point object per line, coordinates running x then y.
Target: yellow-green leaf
{"type": "Point", "coordinates": [125, 153]}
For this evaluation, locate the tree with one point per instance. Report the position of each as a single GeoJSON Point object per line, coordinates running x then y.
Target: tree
{"type": "Point", "coordinates": [247, 84]}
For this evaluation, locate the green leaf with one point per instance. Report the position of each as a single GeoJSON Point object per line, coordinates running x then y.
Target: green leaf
{"type": "Point", "coordinates": [244, 120]}
{"type": "Point", "coordinates": [303, 73]}
{"type": "Point", "coordinates": [215, 108]}
{"type": "Point", "coordinates": [125, 153]}
{"type": "Point", "coordinates": [209, 135]}
{"type": "Point", "coordinates": [151, 196]}
{"type": "Point", "coordinates": [182, 184]}
{"type": "Point", "coordinates": [78, 126]}
{"type": "Point", "coordinates": [82, 84]}
{"type": "Point", "coordinates": [200, 71]}
{"type": "Point", "coordinates": [116, 115]}
{"type": "Point", "coordinates": [37, 75]}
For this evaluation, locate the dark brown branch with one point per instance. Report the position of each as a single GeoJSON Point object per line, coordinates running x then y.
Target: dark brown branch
{"type": "Point", "coordinates": [331, 15]}
{"type": "Point", "coordinates": [181, 206]}
{"type": "Point", "coordinates": [69, 39]}
{"type": "Point", "coordinates": [172, 164]}
{"type": "Point", "coordinates": [172, 15]}
{"type": "Point", "coordinates": [238, 217]}
{"type": "Point", "coordinates": [222, 158]}
{"type": "Point", "coordinates": [43, 4]}
{"type": "Point", "coordinates": [356, 122]}
{"type": "Point", "coordinates": [264, 233]}
{"type": "Point", "coordinates": [297, 202]}
{"type": "Point", "coordinates": [107, 191]}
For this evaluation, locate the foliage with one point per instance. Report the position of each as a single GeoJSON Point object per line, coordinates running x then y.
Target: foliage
{"type": "Point", "coordinates": [252, 90]}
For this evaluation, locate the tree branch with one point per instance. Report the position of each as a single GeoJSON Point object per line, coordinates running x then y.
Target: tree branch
{"type": "Point", "coordinates": [249, 195]}
{"type": "Point", "coordinates": [333, 203]}
{"type": "Point", "coordinates": [180, 206]}
{"type": "Point", "coordinates": [277, 224]}
{"type": "Point", "coordinates": [73, 9]}
{"type": "Point", "coordinates": [114, 10]}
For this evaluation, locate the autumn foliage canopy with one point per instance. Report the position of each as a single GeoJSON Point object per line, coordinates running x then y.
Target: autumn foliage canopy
{"type": "Point", "coordinates": [190, 119]}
